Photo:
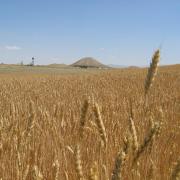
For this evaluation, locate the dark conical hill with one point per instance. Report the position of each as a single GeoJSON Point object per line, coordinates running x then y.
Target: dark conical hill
{"type": "Point", "coordinates": [88, 62]}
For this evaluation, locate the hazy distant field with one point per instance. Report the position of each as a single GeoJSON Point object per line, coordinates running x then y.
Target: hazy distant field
{"type": "Point", "coordinates": [42, 69]}
{"type": "Point", "coordinates": [43, 109]}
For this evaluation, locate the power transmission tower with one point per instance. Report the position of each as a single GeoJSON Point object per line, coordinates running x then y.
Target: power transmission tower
{"type": "Point", "coordinates": [32, 63]}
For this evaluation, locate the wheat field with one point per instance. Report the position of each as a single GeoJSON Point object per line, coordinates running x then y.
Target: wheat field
{"type": "Point", "coordinates": [96, 126]}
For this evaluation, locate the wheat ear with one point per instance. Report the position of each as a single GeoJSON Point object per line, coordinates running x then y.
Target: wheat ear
{"type": "Point", "coordinates": [152, 71]}
{"type": "Point", "coordinates": [100, 124]}
{"type": "Point", "coordinates": [132, 130]}
{"type": "Point", "coordinates": [120, 160]}
{"type": "Point", "coordinates": [94, 172]}
{"type": "Point", "coordinates": [133, 134]}
{"type": "Point", "coordinates": [78, 162]}
{"type": "Point", "coordinates": [146, 142]}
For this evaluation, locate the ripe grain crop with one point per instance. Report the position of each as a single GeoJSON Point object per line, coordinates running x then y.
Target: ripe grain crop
{"type": "Point", "coordinates": [41, 115]}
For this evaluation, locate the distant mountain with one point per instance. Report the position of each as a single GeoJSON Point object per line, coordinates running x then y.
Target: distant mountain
{"type": "Point", "coordinates": [88, 62]}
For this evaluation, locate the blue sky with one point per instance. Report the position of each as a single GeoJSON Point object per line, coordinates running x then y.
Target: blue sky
{"type": "Point", "coordinates": [124, 32]}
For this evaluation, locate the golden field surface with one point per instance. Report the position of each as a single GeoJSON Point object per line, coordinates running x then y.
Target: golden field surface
{"type": "Point", "coordinates": [42, 116]}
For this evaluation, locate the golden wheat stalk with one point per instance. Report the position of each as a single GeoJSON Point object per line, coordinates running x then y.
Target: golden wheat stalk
{"type": "Point", "coordinates": [56, 170]}
{"type": "Point", "coordinates": [126, 147]}
{"type": "Point", "coordinates": [176, 171]}
{"type": "Point", "coordinates": [132, 130]}
{"type": "Point", "coordinates": [152, 123]}
{"type": "Point", "coordinates": [146, 142]}
{"type": "Point", "coordinates": [78, 162]}
{"type": "Point", "coordinates": [150, 173]}
{"type": "Point", "coordinates": [100, 124]}
{"type": "Point", "coordinates": [66, 175]}
{"type": "Point", "coordinates": [36, 173]}
{"type": "Point", "coordinates": [133, 134]}
{"type": "Point", "coordinates": [31, 120]}
{"type": "Point", "coordinates": [120, 160]}
{"type": "Point", "coordinates": [152, 71]}
{"type": "Point", "coordinates": [105, 172]}
{"type": "Point", "coordinates": [93, 175]}
{"type": "Point", "coordinates": [25, 174]}
{"type": "Point", "coordinates": [84, 111]}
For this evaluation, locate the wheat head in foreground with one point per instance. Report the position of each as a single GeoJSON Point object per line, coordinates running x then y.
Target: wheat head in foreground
{"type": "Point", "coordinates": [100, 124]}
{"type": "Point", "coordinates": [152, 71]}
{"type": "Point", "coordinates": [154, 130]}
